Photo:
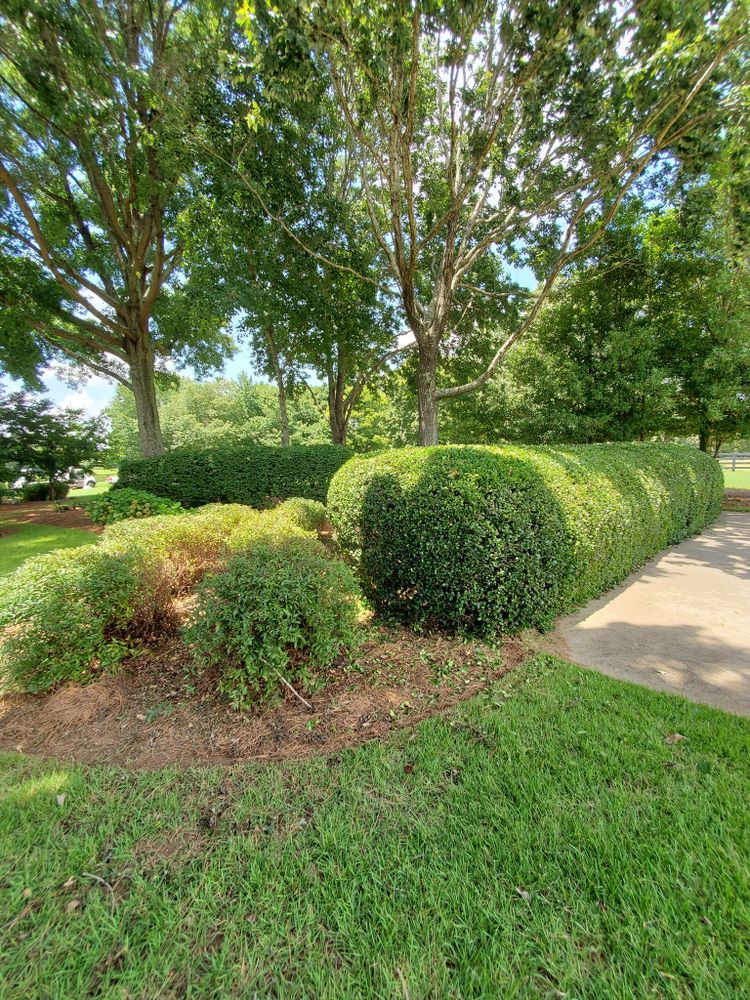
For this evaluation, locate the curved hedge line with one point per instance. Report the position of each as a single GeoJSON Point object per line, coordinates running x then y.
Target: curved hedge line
{"type": "Point", "coordinates": [484, 540]}
{"type": "Point", "coordinates": [247, 474]}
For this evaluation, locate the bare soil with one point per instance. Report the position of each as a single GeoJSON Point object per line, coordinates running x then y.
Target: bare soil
{"type": "Point", "coordinates": [154, 713]}
{"type": "Point", "coordinates": [43, 512]}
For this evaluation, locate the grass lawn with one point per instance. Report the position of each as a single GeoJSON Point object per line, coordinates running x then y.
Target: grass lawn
{"type": "Point", "coordinates": [738, 480]}
{"type": "Point", "coordinates": [551, 838]}
{"type": "Point", "coordinates": [27, 540]}
{"type": "Point", "coordinates": [100, 474]}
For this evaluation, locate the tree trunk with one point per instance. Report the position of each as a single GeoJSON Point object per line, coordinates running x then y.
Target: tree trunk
{"type": "Point", "coordinates": [278, 373]}
{"type": "Point", "coordinates": [338, 420]}
{"type": "Point", "coordinates": [703, 439]}
{"type": "Point", "coordinates": [141, 365]}
{"type": "Point", "coordinates": [427, 394]}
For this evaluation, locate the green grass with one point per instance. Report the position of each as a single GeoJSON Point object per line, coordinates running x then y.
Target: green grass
{"type": "Point", "coordinates": [546, 840]}
{"type": "Point", "coordinates": [27, 540]}
{"type": "Point", "coordinates": [738, 480]}
{"type": "Point", "coordinates": [102, 486]}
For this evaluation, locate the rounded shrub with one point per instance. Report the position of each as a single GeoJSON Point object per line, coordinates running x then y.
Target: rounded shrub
{"type": "Point", "coordinates": [483, 540]}
{"type": "Point", "coordinates": [310, 515]}
{"type": "Point", "coordinates": [282, 609]}
{"type": "Point", "coordinates": [45, 491]}
{"type": "Point", "coordinates": [65, 616]}
{"type": "Point", "coordinates": [120, 505]}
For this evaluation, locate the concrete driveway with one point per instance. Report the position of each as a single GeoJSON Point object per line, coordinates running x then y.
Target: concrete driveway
{"type": "Point", "coordinates": [681, 624]}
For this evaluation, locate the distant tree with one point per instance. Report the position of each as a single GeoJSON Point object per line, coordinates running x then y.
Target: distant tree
{"type": "Point", "coordinates": [36, 437]}
{"type": "Point", "coordinates": [96, 114]}
{"type": "Point", "coordinates": [217, 412]}
{"type": "Point", "coordinates": [506, 128]}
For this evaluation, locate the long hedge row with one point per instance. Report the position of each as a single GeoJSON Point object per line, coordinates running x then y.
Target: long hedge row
{"type": "Point", "coordinates": [246, 474]}
{"type": "Point", "coordinates": [484, 540]}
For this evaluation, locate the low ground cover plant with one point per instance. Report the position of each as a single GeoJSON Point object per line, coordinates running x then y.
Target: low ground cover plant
{"type": "Point", "coordinates": [280, 611]}
{"type": "Point", "coordinates": [246, 474]}
{"type": "Point", "coordinates": [71, 614]}
{"type": "Point", "coordinates": [484, 540]}
{"type": "Point", "coordinates": [118, 505]}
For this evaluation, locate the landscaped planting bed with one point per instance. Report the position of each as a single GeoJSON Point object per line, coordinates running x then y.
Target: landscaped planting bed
{"type": "Point", "coordinates": [486, 540]}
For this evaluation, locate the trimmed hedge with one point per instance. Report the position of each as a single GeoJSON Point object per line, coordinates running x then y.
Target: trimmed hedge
{"type": "Point", "coordinates": [247, 474]}
{"type": "Point", "coordinates": [483, 540]}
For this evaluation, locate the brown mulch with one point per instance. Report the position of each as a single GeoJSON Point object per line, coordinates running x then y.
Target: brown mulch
{"type": "Point", "coordinates": [737, 499]}
{"type": "Point", "coordinates": [44, 512]}
{"type": "Point", "coordinates": [155, 714]}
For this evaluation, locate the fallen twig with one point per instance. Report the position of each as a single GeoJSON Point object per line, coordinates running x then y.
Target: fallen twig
{"type": "Point", "coordinates": [295, 693]}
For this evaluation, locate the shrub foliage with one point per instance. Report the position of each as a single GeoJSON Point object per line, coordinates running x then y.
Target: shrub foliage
{"type": "Point", "coordinates": [73, 613]}
{"type": "Point", "coordinates": [118, 505]}
{"type": "Point", "coordinates": [45, 491]}
{"type": "Point", "coordinates": [484, 540]}
{"type": "Point", "coordinates": [247, 474]}
{"type": "Point", "coordinates": [284, 608]}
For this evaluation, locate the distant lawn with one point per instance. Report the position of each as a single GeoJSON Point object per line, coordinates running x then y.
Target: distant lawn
{"type": "Point", "coordinates": [739, 480]}
{"type": "Point", "coordinates": [100, 474]}
{"type": "Point", "coordinates": [562, 835]}
{"type": "Point", "coordinates": [19, 541]}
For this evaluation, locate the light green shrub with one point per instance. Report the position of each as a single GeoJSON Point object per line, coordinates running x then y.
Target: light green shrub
{"type": "Point", "coordinates": [74, 613]}
{"type": "Point", "coordinates": [484, 540]}
{"type": "Point", "coordinates": [68, 616]}
{"type": "Point", "coordinates": [310, 515]}
{"type": "Point", "coordinates": [283, 608]}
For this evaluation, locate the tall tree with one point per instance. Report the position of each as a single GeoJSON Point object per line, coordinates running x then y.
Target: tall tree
{"type": "Point", "coordinates": [95, 118]}
{"type": "Point", "coordinates": [505, 127]}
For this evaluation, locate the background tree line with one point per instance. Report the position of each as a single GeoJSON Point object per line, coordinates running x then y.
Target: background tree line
{"type": "Point", "coordinates": [349, 188]}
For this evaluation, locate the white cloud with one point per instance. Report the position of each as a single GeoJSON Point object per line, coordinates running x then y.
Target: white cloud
{"type": "Point", "coordinates": [82, 400]}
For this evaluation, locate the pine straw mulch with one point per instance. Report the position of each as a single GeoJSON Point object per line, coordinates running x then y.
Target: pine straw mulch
{"type": "Point", "coordinates": [154, 714]}
{"type": "Point", "coordinates": [43, 512]}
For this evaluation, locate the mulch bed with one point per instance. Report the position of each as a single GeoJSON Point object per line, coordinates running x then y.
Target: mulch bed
{"type": "Point", "coordinates": [737, 499]}
{"type": "Point", "coordinates": [153, 714]}
{"type": "Point", "coordinates": [45, 513]}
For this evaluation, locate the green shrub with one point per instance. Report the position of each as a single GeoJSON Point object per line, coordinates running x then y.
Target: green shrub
{"type": "Point", "coordinates": [72, 615]}
{"type": "Point", "coordinates": [484, 540]}
{"type": "Point", "coordinates": [284, 608]}
{"type": "Point", "coordinates": [247, 474]}
{"type": "Point", "coordinates": [119, 505]}
{"type": "Point", "coordinates": [41, 491]}
{"type": "Point", "coordinates": [66, 615]}
{"type": "Point", "coordinates": [310, 515]}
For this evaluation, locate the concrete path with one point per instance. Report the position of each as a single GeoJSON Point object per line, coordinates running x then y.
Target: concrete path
{"type": "Point", "coordinates": [681, 624]}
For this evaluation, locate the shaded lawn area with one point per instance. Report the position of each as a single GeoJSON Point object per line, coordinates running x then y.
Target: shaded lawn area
{"type": "Point", "coordinates": [20, 541]}
{"type": "Point", "coordinates": [552, 837]}
{"type": "Point", "coordinates": [737, 480]}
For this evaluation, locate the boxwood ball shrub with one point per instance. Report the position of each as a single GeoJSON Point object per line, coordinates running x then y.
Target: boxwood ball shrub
{"type": "Point", "coordinates": [485, 539]}
{"type": "Point", "coordinates": [118, 505]}
{"type": "Point", "coordinates": [284, 608]}
{"type": "Point", "coordinates": [246, 474]}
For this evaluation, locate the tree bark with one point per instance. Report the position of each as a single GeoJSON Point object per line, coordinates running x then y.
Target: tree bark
{"type": "Point", "coordinates": [141, 365]}
{"type": "Point", "coordinates": [338, 417]}
{"type": "Point", "coordinates": [427, 393]}
{"type": "Point", "coordinates": [703, 439]}
{"type": "Point", "coordinates": [278, 373]}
